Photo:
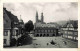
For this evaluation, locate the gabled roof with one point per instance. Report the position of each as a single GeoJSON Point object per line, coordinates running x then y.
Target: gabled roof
{"type": "Point", "coordinates": [73, 22]}
{"type": "Point", "coordinates": [11, 16]}
{"type": "Point", "coordinates": [6, 20]}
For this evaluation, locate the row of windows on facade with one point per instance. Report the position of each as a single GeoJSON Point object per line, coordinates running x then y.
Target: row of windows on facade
{"type": "Point", "coordinates": [68, 29]}
{"type": "Point", "coordinates": [48, 26]}
{"type": "Point", "coordinates": [14, 33]}
{"type": "Point", "coordinates": [71, 37]}
{"type": "Point", "coordinates": [45, 30]}
{"type": "Point", "coordinates": [5, 33]}
{"type": "Point", "coordinates": [45, 35]}
{"type": "Point", "coordinates": [70, 32]}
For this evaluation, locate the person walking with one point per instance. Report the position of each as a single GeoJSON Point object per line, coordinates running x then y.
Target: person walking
{"type": "Point", "coordinates": [47, 44]}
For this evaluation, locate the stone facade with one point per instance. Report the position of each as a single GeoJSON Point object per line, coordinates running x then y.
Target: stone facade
{"type": "Point", "coordinates": [7, 29]}
{"type": "Point", "coordinates": [44, 30]}
{"type": "Point", "coordinates": [12, 27]}
{"type": "Point", "coordinates": [70, 30]}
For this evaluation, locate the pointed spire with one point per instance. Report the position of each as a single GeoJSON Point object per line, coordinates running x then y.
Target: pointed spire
{"type": "Point", "coordinates": [42, 14]}
{"type": "Point", "coordinates": [42, 17]}
{"type": "Point", "coordinates": [20, 17]}
{"type": "Point", "coordinates": [36, 16]}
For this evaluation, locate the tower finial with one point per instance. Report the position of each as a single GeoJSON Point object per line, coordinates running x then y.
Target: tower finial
{"type": "Point", "coordinates": [36, 13]}
{"type": "Point", "coordinates": [20, 17]}
{"type": "Point", "coordinates": [42, 17]}
{"type": "Point", "coordinates": [69, 18]}
{"type": "Point", "coordinates": [36, 16]}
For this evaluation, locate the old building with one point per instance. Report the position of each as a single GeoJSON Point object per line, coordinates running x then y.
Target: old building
{"type": "Point", "coordinates": [13, 28]}
{"type": "Point", "coordinates": [7, 29]}
{"type": "Point", "coordinates": [70, 30]}
{"type": "Point", "coordinates": [44, 29]}
{"type": "Point", "coordinates": [45, 32]}
{"type": "Point", "coordinates": [14, 24]}
{"type": "Point", "coordinates": [21, 26]}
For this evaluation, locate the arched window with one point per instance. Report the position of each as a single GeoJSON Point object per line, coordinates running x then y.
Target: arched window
{"type": "Point", "coordinates": [47, 34]}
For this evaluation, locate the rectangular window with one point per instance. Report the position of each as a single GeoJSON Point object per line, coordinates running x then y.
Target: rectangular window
{"type": "Point", "coordinates": [5, 33]}
{"type": "Point", "coordinates": [45, 30]}
{"type": "Point", "coordinates": [17, 32]}
{"type": "Point", "coordinates": [54, 31]}
{"type": "Point", "coordinates": [5, 41]}
{"type": "Point", "coordinates": [13, 33]}
{"type": "Point", "coordinates": [76, 33]}
{"type": "Point", "coordinates": [70, 37]}
{"type": "Point", "coordinates": [70, 32]}
{"type": "Point", "coordinates": [42, 30]}
{"type": "Point", "coordinates": [35, 30]}
{"type": "Point", "coordinates": [51, 30]}
{"type": "Point", "coordinates": [65, 32]}
{"type": "Point", "coordinates": [39, 30]}
{"type": "Point", "coordinates": [71, 28]}
{"type": "Point", "coordinates": [48, 30]}
{"type": "Point", "coordinates": [76, 38]}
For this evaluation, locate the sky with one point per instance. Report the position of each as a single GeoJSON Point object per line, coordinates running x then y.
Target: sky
{"type": "Point", "coordinates": [52, 11]}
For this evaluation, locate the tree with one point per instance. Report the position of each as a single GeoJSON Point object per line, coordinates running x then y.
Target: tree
{"type": "Point", "coordinates": [28, 26]}
{"type": "Point", "coordinates": [24, 40]}
{"type": "Point", "coordinates": [13, 42]}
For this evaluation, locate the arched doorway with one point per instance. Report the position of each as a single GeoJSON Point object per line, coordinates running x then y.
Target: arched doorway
{"type": "Point", "coordinates": [47, 35]}
{"type": "Point", "coordinates": [43, 35]}
{"type": "Point", "coordinates": [53, 34]}
{"type": "Point", "coordinates": [37, 35]}
{"type": "Point", "coordinates": [40, 35]}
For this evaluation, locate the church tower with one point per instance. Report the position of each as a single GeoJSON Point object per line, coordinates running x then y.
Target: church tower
{"type": "Point", "coordinates": [42, 18]}
{"type": "Point", "coordinates": [36, 16]}
{"type": "Point", "coordinates": [21, 21]}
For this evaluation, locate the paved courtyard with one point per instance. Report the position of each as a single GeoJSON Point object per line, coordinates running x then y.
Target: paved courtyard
{"type": "Point", "coordinates": [41, 42]}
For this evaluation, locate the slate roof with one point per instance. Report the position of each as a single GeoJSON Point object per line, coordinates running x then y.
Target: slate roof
{"type": "Point", "coordinates": [11, 16]}
{"type": "Point", "coordinates": [73, 22]}
{"type": "Point", "coordinates": [43, 28]}
{"type": "Point", "coordinates": [6, 20]}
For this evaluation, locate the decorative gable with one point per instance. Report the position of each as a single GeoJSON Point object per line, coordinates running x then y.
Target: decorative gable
{"type": "Point", "coordinates": [69, 25]}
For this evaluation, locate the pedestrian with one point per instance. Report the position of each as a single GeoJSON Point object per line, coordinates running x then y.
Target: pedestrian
{"type": "Point", "coordinates": [65, 43]}
{"type": "Point", "coordinates": [47, 44]}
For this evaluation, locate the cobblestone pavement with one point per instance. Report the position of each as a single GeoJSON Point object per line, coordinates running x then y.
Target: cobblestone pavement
{"type": "Point", "coordinates": [41, 42]}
